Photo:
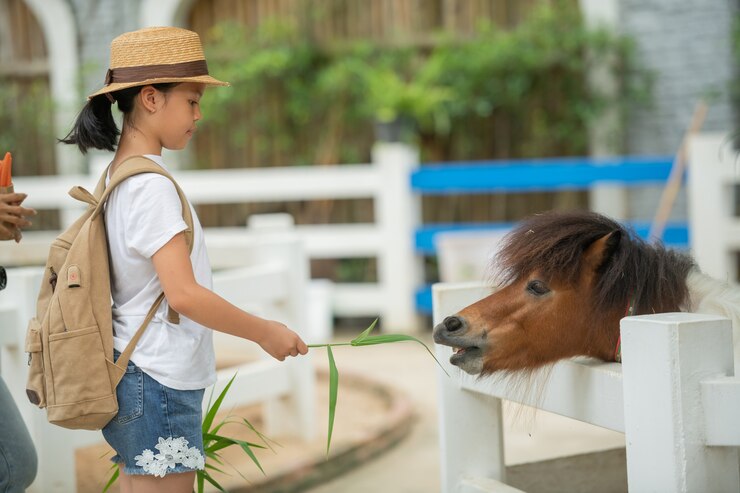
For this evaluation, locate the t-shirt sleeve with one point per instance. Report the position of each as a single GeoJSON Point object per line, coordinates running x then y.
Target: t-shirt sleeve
{"type": "Point", "coordinates": [155, 213]}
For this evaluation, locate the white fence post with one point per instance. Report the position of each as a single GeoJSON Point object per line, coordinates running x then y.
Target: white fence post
{"type": "Point", "coordinates": [714, 234]}
{"type": "Point", "coordinates": [466, 419]}
{"type": "Point", "coordinates": [665, 357]}
{"type": "Point", "coordinates": [397, 214]}
{"type": "Point", "coordinates": [295, 413]}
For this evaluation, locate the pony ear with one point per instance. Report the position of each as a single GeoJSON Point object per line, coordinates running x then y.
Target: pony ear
{"type": "Point", "coordinates": [598, 252]}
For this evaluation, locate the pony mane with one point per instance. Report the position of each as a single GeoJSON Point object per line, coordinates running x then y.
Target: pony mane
{"type": "Point", "coordinates": [553, 244]}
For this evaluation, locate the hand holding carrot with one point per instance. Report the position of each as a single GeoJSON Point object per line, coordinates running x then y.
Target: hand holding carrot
{"type": "Point", "coordinates": [6, 165]}
{"type": "Point", "coordinates": [12, 215]}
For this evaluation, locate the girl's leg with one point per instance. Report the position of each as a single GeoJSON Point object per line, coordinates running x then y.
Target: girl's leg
{"type": "Point", "coordinates": [18, 461]}
{"type": "Point", "coordinates": [172, 483]}
{"type": "Point", "coordinates": [124, 481]}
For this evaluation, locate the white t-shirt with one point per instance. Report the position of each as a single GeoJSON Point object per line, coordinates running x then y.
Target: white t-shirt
{"type": "Point", "coordinates": [142, 214]}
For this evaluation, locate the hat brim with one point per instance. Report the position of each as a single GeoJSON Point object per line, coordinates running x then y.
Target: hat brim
{"type": "Point", "coordinates": [117, 86]}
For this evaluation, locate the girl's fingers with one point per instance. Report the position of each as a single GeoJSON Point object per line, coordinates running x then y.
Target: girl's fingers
{"type": "Point", "coordinates": [21, 211]}
{"type": "Point", "coordinates": [13, 198]}
{"type": "Point", "coordinates": [7, 233]}
{"type": "Point", "coordinates": [18, 221]}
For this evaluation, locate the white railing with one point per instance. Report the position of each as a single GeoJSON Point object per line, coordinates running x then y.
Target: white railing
{"type": "Point", "coordinates": [674, 397]}
{"type": "Point", "coordinates": [390, 238]}
{"type": "Point", "coordinates": [273, 282]}
{"type": "Point", "coordinates": [714, 172]}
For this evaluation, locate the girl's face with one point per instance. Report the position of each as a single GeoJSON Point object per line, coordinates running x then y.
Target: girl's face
{"type": "Point", "coordinates": [177, 114]}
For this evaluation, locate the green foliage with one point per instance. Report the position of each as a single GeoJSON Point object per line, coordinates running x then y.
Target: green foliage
{"type": "Point", "coordinates": [214, 442]}
{"type": "Point", "coordinates": [292, 96]}
{"type": "Point", "coordinates": [26, 120]}
{"type": "Point", "coordinates": [364, 339]}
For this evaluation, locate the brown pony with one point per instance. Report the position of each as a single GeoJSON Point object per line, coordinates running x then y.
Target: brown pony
{"type": "Point", "coordinates": [566, 280]}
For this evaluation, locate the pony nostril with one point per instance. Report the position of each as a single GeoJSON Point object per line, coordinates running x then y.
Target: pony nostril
{"type": "Point", "coordinates": [452, 324]}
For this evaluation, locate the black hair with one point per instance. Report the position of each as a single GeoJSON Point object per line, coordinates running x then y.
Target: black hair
{"type": "Point", "coordinates": [95, 127]}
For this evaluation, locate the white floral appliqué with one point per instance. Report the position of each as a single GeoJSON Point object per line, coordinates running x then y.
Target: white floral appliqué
{"type": "Point", "coordinates": [171, 452]}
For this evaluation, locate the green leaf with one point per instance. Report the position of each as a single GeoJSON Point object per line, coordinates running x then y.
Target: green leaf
{"type": "Point", "coordinates": [262, 437]}
{"type": "Point", "coordinates": [247, 450]}
{"type": "Point", "coordinates": [365, 333]}
{"type": "Point", "coordinates": [211, 466]}
{"type": "Point", "coordinates": [333, 389]}
{"type": "Point", "coordinates": [112, 479]}
{"type": "Point", "coordinates": [389, 338]}
{"type": "Point", "coordinates": [208, 420]}
{"type": "Point", "coordinates": [208, 478]}
{"type": "Point", "coordinates": [201, 481]}
{"type": "Point", "coordinates": [223, 442]}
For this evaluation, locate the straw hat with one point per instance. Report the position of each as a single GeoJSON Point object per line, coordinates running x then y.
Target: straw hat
{"type": "Point", "coordinates": [155, 55]}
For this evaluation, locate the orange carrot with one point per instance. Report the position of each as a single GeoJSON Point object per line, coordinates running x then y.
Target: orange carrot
{"type": "Point", "coordinates": [2, 169]}
{"type": "Point", "coordinates": [5, 170]}
{"type": "Point", "coordinates": [9, 170]}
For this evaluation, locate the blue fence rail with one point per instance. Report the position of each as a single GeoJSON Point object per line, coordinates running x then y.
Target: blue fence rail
{"type": "Point", "coordinates": [534, 175]}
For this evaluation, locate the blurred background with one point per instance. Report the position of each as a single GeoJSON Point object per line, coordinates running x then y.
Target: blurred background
{"type": "Point", "coordinates": [410, 87]}
{"type": "Point", "coordinates": [318, 83]}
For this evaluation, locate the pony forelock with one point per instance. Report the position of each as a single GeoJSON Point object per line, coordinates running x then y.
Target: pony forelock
{"type": "Point", "coordinates": [553, 243]}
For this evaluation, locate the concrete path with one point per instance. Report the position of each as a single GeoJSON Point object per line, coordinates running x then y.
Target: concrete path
{"type": "Point", "coordinates": [541, 449]}
{"type": "Point", "coordinates": [413, 465]}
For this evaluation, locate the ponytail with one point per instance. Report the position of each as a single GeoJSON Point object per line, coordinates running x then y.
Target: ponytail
{"type": "Point", "coordinates": [95, 127]}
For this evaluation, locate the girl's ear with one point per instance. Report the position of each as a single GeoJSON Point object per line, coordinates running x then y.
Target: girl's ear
{"type": "Point", "coordinates": [149, 98]}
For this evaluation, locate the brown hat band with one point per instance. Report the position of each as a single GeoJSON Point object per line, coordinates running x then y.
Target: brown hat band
{"type": "Point", "coordinates": [147, 72]}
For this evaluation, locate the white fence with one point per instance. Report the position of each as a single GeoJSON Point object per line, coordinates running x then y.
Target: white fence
{"type": "Point", "coordinates": [273, 282]}
{"type": "Point", "coordinates": [715, 232]}
{"type": "Point", "coordinates": [390, 238]}
{"type": "Point", "coordinates": [714, 173]}
{"type": "Point", "coordinates": [674, 397]}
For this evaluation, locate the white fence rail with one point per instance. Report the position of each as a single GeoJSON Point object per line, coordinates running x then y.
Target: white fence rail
{"type": "Point", "coordinates": [715, 231]}
{"type": "Point", "coordinates": [674, 397]}
{"type": "Point", "coordinates": [390, 237]}
{"type": "Point", "coordinates": [714, 173]}
{"type": "Point", "coordinates": [273, 282]}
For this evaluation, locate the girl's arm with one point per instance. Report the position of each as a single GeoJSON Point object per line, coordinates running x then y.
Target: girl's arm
{"type": "Point", "coordinates": [187, 297]}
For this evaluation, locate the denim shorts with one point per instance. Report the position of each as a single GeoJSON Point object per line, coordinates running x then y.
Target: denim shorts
{"type": "Point", "coordinates": [157, 430]}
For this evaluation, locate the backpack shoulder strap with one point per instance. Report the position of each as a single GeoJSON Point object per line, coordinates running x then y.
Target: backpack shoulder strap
{"type": "Point", "coordinates": [137, 165]}
{"type": "Point", "coordinates": [134, 166]}
{"type": "Point", "coordinates": [125, 356]}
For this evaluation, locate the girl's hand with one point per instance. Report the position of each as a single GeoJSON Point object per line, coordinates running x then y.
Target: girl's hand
{"type": "Point", "coordinates": [280, 342]}
{"type": "Point", "coordinates": [13, 216]}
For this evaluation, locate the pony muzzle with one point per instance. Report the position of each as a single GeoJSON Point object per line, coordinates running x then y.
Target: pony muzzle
{"type": "Point", "coordinates": [467, 352]}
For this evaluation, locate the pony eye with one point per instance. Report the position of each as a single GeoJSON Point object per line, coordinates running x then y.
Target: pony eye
{"type": "Point", "coordinates": [538, 288]}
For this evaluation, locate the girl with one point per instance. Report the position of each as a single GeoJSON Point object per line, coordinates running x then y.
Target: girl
{"type": "Point", "coordinates": [157, 77]}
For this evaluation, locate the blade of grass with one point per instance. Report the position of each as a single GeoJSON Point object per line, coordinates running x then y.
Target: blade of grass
{"type": "Point", "coordinates": [216, 405]}
{"type": "Point", "coordinates": [200, 482]}
{"type": "Point", "coordinates": [390, 338]}
{"type": "Point", "coordinates": [266, 440]}
{"type": "Point", "coordinates": [333, 390]}
{"type": "Point", "coordinates": [112, 479]}
{"type": "Point", "coordinates": [208, 478]}
{"type": "Point", "coordinates": [211, 466]}
{"type": "Point", "coordinates": [223, 442]}
{"type": "Point", "coordinates": [365, 332]}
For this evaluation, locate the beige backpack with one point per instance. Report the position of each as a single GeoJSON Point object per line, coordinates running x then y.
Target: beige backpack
{"type": "Point", "coordinates": [70, 341]}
